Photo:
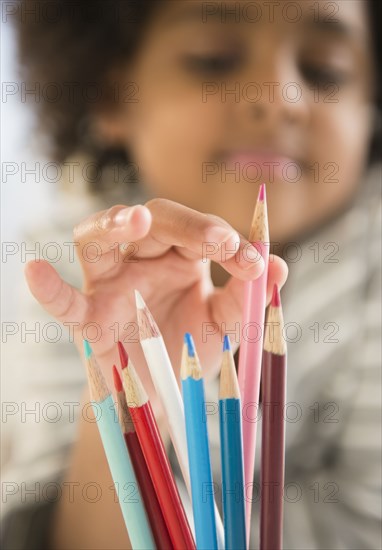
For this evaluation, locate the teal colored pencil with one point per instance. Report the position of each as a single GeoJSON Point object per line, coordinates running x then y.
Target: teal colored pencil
{"type": "Point", "coordinates": [118, 458]}
{"type": "Point", "coordinates": [202, 492]}
{"type": "Point", "coordinates": [231, 448]}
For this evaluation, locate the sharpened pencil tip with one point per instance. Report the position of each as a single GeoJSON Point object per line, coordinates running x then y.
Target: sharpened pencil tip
{"type": "Point", "coordinates": [275, 302]}
{"type": "Point", "coordinates": [139, 301]}
{"type": "Point", "coordinates": [117, 379]}
{"type": "Point", "coordinates": [261, 196]}
{"type": "Point", "coordinates": [227, 343]}
{"type": "Point", "coordinates": [88, 349]}
{"type": "Point", "coordinates": [123, 357]}
{"type": "Point", "coordinates": [190, 344]}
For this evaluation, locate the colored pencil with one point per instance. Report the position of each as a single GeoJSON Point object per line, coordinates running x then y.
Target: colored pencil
{"type": "Point", "coordinates": [251, 349]}
{"type": "Point", "coordinates": [150, 499]}
{"type": "Point", "coordinates": [167, 389]}
{"type": "Point", "coordinates": [198, 448]}
{"type": "Point", "coordinates": [156, 460]}
{"type": "Point", "coordinates": [273, 387]}
{"type": "Point", "coordinates": [121, 469]}
{"type": "Point", "coordinates": [231, 449]}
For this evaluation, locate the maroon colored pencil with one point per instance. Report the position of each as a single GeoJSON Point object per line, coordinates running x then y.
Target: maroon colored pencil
{"type": "Point", "coordinates": [273, 387]}
{"type": "Point", "coordinates": [152, 506]}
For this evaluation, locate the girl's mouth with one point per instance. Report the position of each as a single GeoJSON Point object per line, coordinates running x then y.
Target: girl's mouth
{"type": "Point", "coordinates": [260, 166]}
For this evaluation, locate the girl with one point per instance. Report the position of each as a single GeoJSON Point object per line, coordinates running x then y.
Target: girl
{"type": "Point", "coordinates": [206, 100]}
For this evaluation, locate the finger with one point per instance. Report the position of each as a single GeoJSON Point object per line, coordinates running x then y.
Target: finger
{"type": "Point", "coordinates": [247, 264]}
{"type": "Point", "coordinates": [195, 235]}
{"type": "Point", "coordinates": [104, 239]}
{"type": "Point", "coordinates": [117, 224]}
{"type": "Point", "coordinates": [176, 225]}
{"type": "Point", "coordinates": [57, 297]}
{"type": "Point", "coordinates": [157, 228]}
{"type": "Point", "coordinates": [277, 274]}
{"type": "Point", "coordinates": [227, 302]}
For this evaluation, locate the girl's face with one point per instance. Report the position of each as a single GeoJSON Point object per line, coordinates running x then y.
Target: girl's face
{"type": "Point", "coordinates": [231, 94]}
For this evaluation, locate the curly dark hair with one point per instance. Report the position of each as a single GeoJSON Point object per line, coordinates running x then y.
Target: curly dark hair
{"type": "Point", "coordinates": [56, 41]}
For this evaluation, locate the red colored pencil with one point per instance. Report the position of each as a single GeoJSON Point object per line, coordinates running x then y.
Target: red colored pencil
{"type": "Point", "coordinates": [273, 386]}
{"type": "Point", "coordinates": [152, 506]}
{"type": "Point", "coordinates": [156, 460]}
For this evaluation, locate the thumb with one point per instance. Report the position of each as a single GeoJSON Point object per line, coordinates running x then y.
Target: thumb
{"type": "Point", "coordinates": [58, 298]}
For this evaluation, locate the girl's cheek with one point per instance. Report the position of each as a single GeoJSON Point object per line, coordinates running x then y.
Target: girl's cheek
{"type": "Point", "coordinates": [343, 135]}
{"type": "Point", "coordinates": [175, 142]}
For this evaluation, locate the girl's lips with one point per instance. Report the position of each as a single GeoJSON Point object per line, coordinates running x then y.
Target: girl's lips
{"type": "Point", "coordinates": [262, 166]}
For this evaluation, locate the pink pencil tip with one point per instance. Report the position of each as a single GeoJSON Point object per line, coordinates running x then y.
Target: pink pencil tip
{"type": "Point", "coordinates": [117, 379]}
{"type": "Point", "coordinates": [123, 357]}
{"type": "Point", "coordinates": [276, 302]}
{"type": "Point", "coordinates": [262, 193]}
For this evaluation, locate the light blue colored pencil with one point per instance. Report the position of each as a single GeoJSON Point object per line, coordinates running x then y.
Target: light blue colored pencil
{"type": "Point", "coordinates": [126, 485]}
{"type": "Point", "coordinates": [231, 449]}
{"type": "Point", "coordinates": [202, 490]}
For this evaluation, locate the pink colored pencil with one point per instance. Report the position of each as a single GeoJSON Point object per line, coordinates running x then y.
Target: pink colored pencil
{"type": "Point", "coordinates": [251, 347]}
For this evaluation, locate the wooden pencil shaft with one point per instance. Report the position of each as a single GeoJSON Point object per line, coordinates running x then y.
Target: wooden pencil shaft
{"type": "Point", "coordinates": [156, 459]}
{"type": "Point", "coordinates": [135, 393]}
{"type": "Point", "coordinates": [165, 383]}
{"type": "Point", "coordinates": [166, 387]}
{"type": "Point", "coordinates": [117, 455]}
{"type": "Point", "coordinates": [152, 505]}
{"type": "Point", "coordinates": [190, 366]}
{"type": "Point", "coordinates": [147, 326]}
{"type": "Point", "coordinates": [99, 390]}
{"type": "Point", "coordinates": [259, 228]}
{"type": "Point", "coordinates": [232, 473]}
{"type": "Point", "coordinates": [200, 464]}
{"type": "Point", "coordinates": [124, 416]}
{"type": "Point", "coordinates": [274, 340]}
{"type": "Point", "coordinates": [229, 387]}
{"type": "Point", "coordinates": [273, 451]}
{"type": "Point", "coordinates": [250, 357]}
{"type": "Point", "coordinates": [162, 477]}
{"type": "Point", "coordinates": [123, 475]}
{"type": "Point", "coordinates": [158, 525]}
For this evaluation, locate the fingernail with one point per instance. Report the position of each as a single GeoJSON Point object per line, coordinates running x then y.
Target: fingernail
{"type": "Point", "coordinates": [123, 216]}
{"type": "Point", "coordinates": [250, 257]}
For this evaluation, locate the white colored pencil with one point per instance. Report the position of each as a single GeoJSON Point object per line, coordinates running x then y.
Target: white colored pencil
{"type": "Point", "coordinates": [168, 391]}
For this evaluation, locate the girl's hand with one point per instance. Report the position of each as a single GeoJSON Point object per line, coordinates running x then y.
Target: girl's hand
{"type": "Point", "coordinates": [166, 261]}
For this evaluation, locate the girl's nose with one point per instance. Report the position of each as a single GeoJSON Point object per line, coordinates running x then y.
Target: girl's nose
{"type": "Point", "coordinates": [274, 97]}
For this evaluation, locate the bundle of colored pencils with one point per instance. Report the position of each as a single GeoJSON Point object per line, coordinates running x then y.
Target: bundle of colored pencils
{"type": "Point", "coordinates": [136, 453]}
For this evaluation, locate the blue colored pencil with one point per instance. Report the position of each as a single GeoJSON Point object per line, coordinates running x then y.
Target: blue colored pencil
{"type": "Point", "coordinates": [231, 448]}
{"type": "Point", "coordinates": [198, 450]}
{"type": "Point", "coordinates": [121, 469]}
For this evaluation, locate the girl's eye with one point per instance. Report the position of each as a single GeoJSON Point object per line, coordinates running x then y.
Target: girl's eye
{"type": "Point", "coordinates": [323, 74]}
{"type": "Point", "coordinates": [212, 64]}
